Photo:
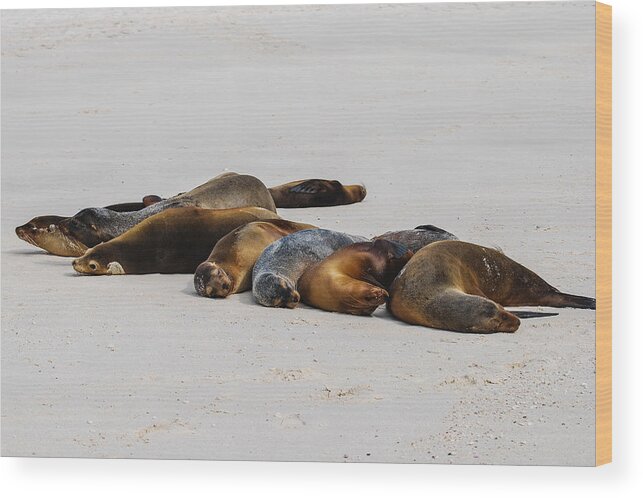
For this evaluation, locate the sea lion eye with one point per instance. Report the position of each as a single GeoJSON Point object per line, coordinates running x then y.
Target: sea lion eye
{"type": "Point", "coordinates": [93, 266]}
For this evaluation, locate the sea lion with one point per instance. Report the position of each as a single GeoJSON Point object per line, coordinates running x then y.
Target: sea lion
{"type": "Point", "coordinates": [417, 238]}
{"type": "Point", "coordinates": [276, 272]}
{"type": "Point", "coordinates": [353, 279]}
{"type": "Point", "coordinates": [316, 193]}
{"type": "Point", "coordinates": [463, 287]}
{"type": "Point", "coordinates": [173, 241]}
{"type": "Point", "coordinates": [92, 226]}
{"type": "Point", "coordinates": [228, 269]}
{"type": "Point", "coordinates": [43, 231]}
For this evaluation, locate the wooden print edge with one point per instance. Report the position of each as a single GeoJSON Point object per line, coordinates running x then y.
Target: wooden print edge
{"type": "Point", "coordinates": [603, 233]}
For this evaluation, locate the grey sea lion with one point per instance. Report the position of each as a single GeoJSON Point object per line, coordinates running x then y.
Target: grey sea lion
{"type": "Point", "coordinates": [418, 237]}
{"type": "Point", "coordinates": [463, 287]}
{"type": "Point", "coordinates": [173, 241]}
{"type": "Point", "coordinates": [355, 278]}
{"type": "Point", "coordinates": [228, 269]}
{"type": "Point", "coordinates": [276, 272]}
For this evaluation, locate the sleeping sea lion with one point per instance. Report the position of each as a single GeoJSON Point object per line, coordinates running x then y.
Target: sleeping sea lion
{"type": "Point", "coordinates": [316, 193]}
{"type": "Point", "coordinates": [417, 238]}
{"type": "Point", "coordinates": [353, 279]}
{"type": "Point", "coordinates": [92, 226]}
{"type": "Point", "coordinates": [459, 286]}
{"type": "Point", "coordinates": [43, 231]}
{"type": "Point", "coordinates": [228, 270]}
{"type": "Point", "coordinates": [276, 272]}
{"type": "Point", "coordinates": [173, 241]}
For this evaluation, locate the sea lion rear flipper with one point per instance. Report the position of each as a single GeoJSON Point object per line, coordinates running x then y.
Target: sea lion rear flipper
{"type": "Point", "coordinates": [314, 186]}
{"type": "Point", "coordinates": [432, 228]}
{"type": "Point", "coordinates": [532, 314]}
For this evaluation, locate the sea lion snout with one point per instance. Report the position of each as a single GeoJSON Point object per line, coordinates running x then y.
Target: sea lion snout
{"type": "Point", "coordinates": [291, 298]}
{"type": "Point", "coordinates": [86, 266]}
{"type": "Point", "coordinates": [503, 321]}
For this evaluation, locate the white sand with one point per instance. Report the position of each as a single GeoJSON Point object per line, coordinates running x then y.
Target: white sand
{"type": "Point", "coordinates": [475, 118]}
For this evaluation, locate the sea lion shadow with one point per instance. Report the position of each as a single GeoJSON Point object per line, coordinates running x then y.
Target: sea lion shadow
{"type": "Point", "coordinates": [189, 289]}
{"type": "Point", "coordinates": [27, 252]}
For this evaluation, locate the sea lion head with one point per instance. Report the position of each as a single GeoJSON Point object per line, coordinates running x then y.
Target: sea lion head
{"type": "Point", "coordinates": [357, 193]}
{"type": "Point", "coordinates": [96, 261]}
{"type": "Point", "coordinates": [389, 259]}
{"type": "Point", "coordinates": [211, 280]}
{"type": "Point", "coordinates": [493, 318]}
{"type": "Point", "coordinates": [44, 232]}
{"type": "Point", "coordinates": [275, 291]}
{"type": "Point", "coordinates": [148, 200]}
{"type": "Point", "coordinates": [86, 226]}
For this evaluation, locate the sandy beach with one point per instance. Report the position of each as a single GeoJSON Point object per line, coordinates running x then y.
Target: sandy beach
{"type": "Point", "coordinates": [477, 118]}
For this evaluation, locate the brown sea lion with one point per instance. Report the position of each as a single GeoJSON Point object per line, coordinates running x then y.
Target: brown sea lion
{"type": "Point", "coordinates": [316, 193]}
{"type": "Point", "coordinates": [173, 241]}
{"type": "Point", "coordinates": [228, 270]}
{"type": "Point", "coordinates": [353, 279]}
{"type": "Point", "coordinates": [460, 286]}
{"type": "Point", "coordinates": [43, 231]}
{"type": "Point", "coordinates": [92, 226]}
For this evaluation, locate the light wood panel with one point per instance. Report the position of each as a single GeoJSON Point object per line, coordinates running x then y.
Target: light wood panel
{"type": "Point", "coordinates": [603, 233]}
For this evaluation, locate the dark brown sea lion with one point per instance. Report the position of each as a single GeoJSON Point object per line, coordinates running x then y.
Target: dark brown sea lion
{"type": "Point", "coordinates": [228, 270]}
{"type": "Point", "coordinates": [148, 200]}
{"type": "Point", "coordinates": [417, 238]}
{"type": "Point", "coordinates": [173, 241]}
{"type": "Point", "coordinates": [316, 193]}
{"type": "Point", "coordinates": [459, 286]}
{"type": "Point", "coordinates": [353, 279]}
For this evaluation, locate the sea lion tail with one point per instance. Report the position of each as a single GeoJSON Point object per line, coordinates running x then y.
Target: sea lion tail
{"type": "Point", "coordinates": [562, 300]}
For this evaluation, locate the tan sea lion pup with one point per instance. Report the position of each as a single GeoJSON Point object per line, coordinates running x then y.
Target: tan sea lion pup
{"type": "Point", "coordinates": [354, 279]}
{"type": "Point", "coordinates": [173, 241]}
{"type": "Point", "coordinates": [459, 286]}
{"type": "Point", "coordinates": [228, 270]}
{"type": "Point", "coordinates": [316, 193]}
